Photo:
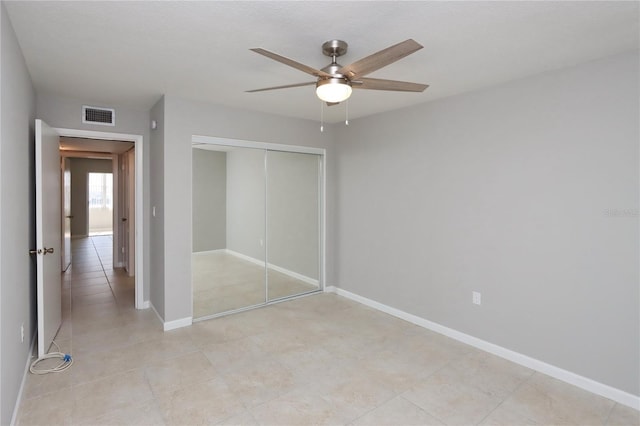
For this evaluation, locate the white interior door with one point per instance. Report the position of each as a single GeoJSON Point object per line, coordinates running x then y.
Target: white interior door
{"type": "Point", "coordinates": [48, 234]}
{"type": "Point", "coordinates": [66, 213]}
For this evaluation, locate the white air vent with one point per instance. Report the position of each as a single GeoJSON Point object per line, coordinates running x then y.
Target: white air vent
{"type": "Point", "coordinates": [96, 115]}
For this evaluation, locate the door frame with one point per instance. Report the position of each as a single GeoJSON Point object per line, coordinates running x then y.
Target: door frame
{"type": "Point", "coordinates": [129, 184]}
{"type": "Point", "coordinates": [138, 141]}
{"type": "Point", "coordinates": [65, 198]}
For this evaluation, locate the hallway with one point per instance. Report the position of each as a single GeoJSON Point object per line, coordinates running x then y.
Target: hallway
{"type": "Point", "coordinates": [91, 279]}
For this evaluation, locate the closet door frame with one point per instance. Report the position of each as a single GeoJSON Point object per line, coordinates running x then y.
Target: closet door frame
{"type": "Point", "coordinates": [266, 146]}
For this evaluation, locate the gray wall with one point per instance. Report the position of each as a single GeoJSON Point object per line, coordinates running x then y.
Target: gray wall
{"type": "Point", "coordinates": [17, 269]}
{"type": "Point", "coordinates": [246, 202]}
{"type": "Point", "coordinates": [156, 202]}
{"type": "Point", "coordinates": [182, 120]}
{"type": "Point", "coordinates": [511, 191]}
{"type": "Point", "coordinates": [209, 207]}
{"type": "Point", "coordinates": [80, 169]}
{"type": "Point", "coordinates": [292, 212]}
{"type": "Point", "coordinates": [63, 112]}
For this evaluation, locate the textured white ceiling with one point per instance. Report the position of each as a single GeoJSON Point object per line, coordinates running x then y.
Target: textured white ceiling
{"type": "Point", "coordinates": [129, 53]}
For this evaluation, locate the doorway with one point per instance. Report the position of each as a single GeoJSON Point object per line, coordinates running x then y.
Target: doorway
{"type": "Point", "coordinates": [52, 173]}
{"type": "Point", "coordinates": [125, 201]}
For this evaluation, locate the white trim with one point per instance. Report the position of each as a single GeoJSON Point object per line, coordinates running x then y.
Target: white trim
{"type": "Point", "coordinates": [115, 214]}
{"type": "Point", "coordinates": [582, 382]}
{"type": "Point", "coordinates": [171, 325]}
{"type": "Point", "coordinates": [146, 304]}
{"type": "Point", "coordinates": [198, 253]}
{"type": "Point", "coordinates": [293, 274]}
{"type": "Point", "coordinates": [24, 380]}
{"type": "Point", "coordinates": [277, 268]}
{"type": "Point", "coordinates": [139, 144]}
{"type": "Point", "coordinates": [198, 141]}
{"type": "Point", "coordinates": [179, 323]}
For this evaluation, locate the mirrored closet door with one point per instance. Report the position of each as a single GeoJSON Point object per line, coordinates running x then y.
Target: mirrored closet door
{"type": "Point", "coordinates": [256, 217]}
{"type": "Point", "coordinates": [293, 223]}
{"type": "Point", "coordinates": [228, 225]}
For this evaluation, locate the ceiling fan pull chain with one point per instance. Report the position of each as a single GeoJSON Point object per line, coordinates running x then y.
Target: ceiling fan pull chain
{"type": "Point", "coordinates": [321, 116]}
{"type": "Point", "coordinates": [346, 120]}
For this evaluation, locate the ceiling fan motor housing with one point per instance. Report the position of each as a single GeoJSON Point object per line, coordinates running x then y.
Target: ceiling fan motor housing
{"type": "Point", "coordinates": [334, 48]}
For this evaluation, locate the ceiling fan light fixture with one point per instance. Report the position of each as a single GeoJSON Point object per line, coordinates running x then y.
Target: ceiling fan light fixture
{"type": "Point", "coordinates": [334, 90]}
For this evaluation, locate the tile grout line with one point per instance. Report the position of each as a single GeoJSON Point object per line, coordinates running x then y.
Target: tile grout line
{"type": "Point", "coordinates": [104, 272]}
{"type": "Point", "coordinates": [508, 396]}
{"type": "Point", "coordinates": [606, 421]}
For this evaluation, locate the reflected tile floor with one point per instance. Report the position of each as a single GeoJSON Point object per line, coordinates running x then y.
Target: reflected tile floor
{"type": "Point", "coordinates": [320, 359]}
{"type": "Point", "coordinates": [223, 282]}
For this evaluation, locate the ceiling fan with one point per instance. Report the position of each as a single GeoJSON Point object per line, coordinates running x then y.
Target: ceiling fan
{"type": "Point", "coordinates": [334, 82]}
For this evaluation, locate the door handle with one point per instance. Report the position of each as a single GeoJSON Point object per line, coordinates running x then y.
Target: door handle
{"type": "Point", "coordinates": [42, 251]}
{"type": "Point", "coordinates": [70, 217]}
{"type": "Point", "coordinates": [124, 219]}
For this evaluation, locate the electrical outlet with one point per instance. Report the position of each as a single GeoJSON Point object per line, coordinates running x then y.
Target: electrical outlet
{"type": "Point", "coordinates": [22, 333]}
{"type": "Point", "coordinates": [476, 298]}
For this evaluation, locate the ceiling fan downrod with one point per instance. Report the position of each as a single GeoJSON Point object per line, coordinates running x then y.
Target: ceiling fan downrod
{"type": "Point", "coordinates": [334, 49]}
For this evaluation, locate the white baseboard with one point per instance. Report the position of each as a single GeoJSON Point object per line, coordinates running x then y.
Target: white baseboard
{"type": "Point", "coordinates": [582, 382]}
{"type": "Point", "coordinates": [146, 305]}
{"type": "Point", "coordinates": [172, 325]}
{"type": "Point", "coordinates": [245, 257]}
{"type": "Point", "coordinates": [179, 323]}
{"type": "Point", "coordinates": [277, 268]}
{"type": "Point", "coordinates": [14, 416]}
{"type": "Point", "coordinates": [197, 253]}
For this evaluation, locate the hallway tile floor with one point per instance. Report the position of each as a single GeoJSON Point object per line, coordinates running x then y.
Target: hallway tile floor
{"type": "Point", "coordinates": [319, 359]}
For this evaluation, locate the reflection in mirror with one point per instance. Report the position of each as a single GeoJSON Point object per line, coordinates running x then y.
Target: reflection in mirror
{"type": "Point", "coordinates": [228, 208]}
{"type": "Point", "coordinates": [293, 201]}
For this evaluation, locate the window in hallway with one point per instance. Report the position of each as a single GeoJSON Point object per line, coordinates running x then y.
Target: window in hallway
{"type": "Point", "coordinates": [100, 203]}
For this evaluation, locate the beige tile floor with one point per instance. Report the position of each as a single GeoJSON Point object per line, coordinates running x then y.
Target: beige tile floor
{"type": "Point", "coordinates": [319, 359]}
{"type": "Point", "coordinates": [223, 282]}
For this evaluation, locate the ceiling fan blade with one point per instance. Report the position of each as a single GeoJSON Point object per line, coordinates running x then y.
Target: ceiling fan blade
{"type": "Point", "coordinates": [291, 63]}
{"type": "Point", "coordinates": [380, 59]}
{"type": "Point", "coordinates": [282, 87]}
{"type": "Point", "coordinates": [381, 84]}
